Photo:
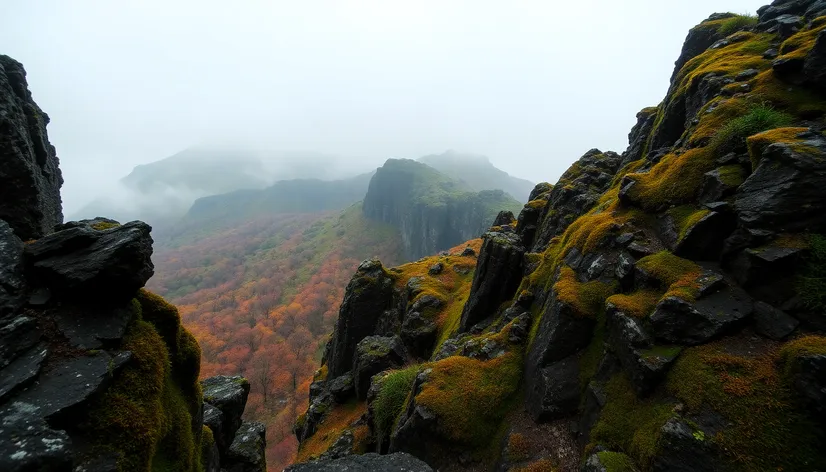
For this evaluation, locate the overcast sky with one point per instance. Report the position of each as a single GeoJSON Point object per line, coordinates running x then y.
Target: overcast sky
{"type": "Point", "coordinates": [533, 85]}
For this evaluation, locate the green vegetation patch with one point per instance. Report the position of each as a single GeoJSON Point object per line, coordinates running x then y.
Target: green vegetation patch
{"type": "Point", "coordinates": [638, 304]}
{"type": "Point", "coordinates": [630, 424]}
{"type": "Point", "coordinates": [471, 396]}
{"type": "Point", "coordinates": [686, 217]}
{"type": "Point", "coordinates": [799, 45]}
{"type": "Point", "coordinates": [395, 389]}
{"type": "Point", "coordinates": [616, 462]}
{"type": "Point", "coordinates": [766, 429]}
{"type": "Point", "coordinates": [677, 275]}
{"type": "Point", "coordinates": [674, 180]}
{"type": "Point", "coordinates": [760, 117]}
{"type": "Point", "coordinates": [736, 23]}
{"type": "Point", "coordinates": [811, 284]}
{"type": "Point", "coordinates": [587, 299]}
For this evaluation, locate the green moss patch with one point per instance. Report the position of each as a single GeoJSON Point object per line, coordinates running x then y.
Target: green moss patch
{"type": "Point", "coordinates": [630, 424]}
{"type": "Point", "coordinates": [587, 299]}
{"type": "Point", "coordinates": [685, 217]}
{"type": "Point", "coordinates": [766, 431]}
{"type": "Point", "coordinates": [471, 396]}
{"type": "Point", "coordinates": [811, 283]}
{"type": "Point", "coordinates": [674, 180]}
{"type": "Point", "coordinates": [638, 304]}
{"type": "Point", "coordinates": [616, 462]}
{"type": "Point", "coordinates": [677, 275]}
{"type": "Point", "coordinates": [760, 117]}
{"type": "Point", "coordinates": [759, 142]}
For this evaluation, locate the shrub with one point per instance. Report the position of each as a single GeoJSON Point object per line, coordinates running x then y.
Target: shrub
{"type": "Point", "coordinates": [759, 118]}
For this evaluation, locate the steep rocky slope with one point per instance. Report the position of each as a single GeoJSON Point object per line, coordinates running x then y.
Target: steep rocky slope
{"type": "Point", "coordinates": [478, 173]}
{"type": "Point", "coordinates": [96, 374]}
{"type": "Point", "coordinates": [431, 210]}
{"type": "Point", "coordinates": [658, 310]}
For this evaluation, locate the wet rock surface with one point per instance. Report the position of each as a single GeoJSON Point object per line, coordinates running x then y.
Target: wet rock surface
{"type": "Point", "coordinates": [397, 462]}
{"type": "Point", "coordinates": [229, 395]}
{"type": "Point", "coordinates": [246, 453]}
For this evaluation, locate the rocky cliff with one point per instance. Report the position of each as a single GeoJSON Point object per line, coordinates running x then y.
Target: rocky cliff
{"type": "Point", "coordinates": [656, 310]}
{"type": "Point", "coordinates": [96, 374]}
{"type": "Point", "coordinates": [432, 211]}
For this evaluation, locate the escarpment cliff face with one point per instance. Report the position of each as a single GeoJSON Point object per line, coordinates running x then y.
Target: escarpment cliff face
{"type": "Point", "coordinates": [432, 211]}
{"type": "Point", "coordinates": [656, 310]}
{"type": "Point", "coordinates": [96, 374]}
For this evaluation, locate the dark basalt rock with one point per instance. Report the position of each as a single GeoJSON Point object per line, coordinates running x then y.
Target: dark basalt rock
{"type": "Point", "coordinates": [228, 394]}
{"type": "Point", "coordinates": [419, 334]}
{"type": "Point", "coordinates": [27, 444]}
{"type": "Point", "coordinates": [21, 372]}
{"type": "Point", "coordinates": [373, 355]}
{"type": "Point", "coordinates": [341, 388]}
{"type": "Point", "coordinates": [714, 187]}
{"type": "Point", "coordinates": [704, 241]}
{"type": "Point", "coordinates": [319, 406]}
{"type": "Point", "coordinates": [17, 334]}
{"type": "Point", "coordinates": [369, 294]}
{"type": "Point", "coordinates": [639, 135]}
{"type": "Point", "coordinates": [785, 191]}
{"type": "Point", "coordinates": [436, 269]}
{"type": "Point", "coordinates": [497, 276]}
{"type": "Point", "coordinates": [12, 284]}
{"type": "Point", "coordinates": [681, 451]}
{"type": "Point", "coordinates": [809, 381]}
{"type": "Point", "coordinates": [767, 272]}
{"type": "Point", "coordinates": [30, 178]}
{"type": "Point", "coordinates": [247, 451]}
{"type": "Point", "coordinates": [814, 66]}
{"type": "Point", "coordinates": [772, 323]}
{"type": "Point", "coordinates": [62, 393]}
{"type": "Point", "coordinates": [561, 333]}
{"type": "Point", "coordinates": [633, 346]}
{"type": "Point", "coordinates": [417, 427]}
{"type": "Point", "coordinates": [677, 321]}
{"type": "Point", "coordinates": [81, 262]}
{"type": "Point", "coordinates": [93, 327]}
{"type": "Point", "coordinates": [397, 462]}
{"type": "Point", "coordinates": [698, 40]}
{"type": "Point", "coordinates": [468, 252]}
{"type": "Point", "coordinates": [504, 217]}
{"type": "Point", "coordinates": [214, 420]}
{"type": "Point", "coordinates": [555, 393]}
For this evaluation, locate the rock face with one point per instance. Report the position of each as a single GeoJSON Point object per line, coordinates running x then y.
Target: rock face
{"type": "Point", "coordinates": [651, 311]}
{"type": "Point", "coordinates": [96, 374]}
{"type": "Point", "coordinates": [83, 261]}
{"type": "Point", "coordinates": [369, 294]}
{"type": "Point", "coordinates": [431, 211]}
{"type": "Point", "coordinates": [30, 174]}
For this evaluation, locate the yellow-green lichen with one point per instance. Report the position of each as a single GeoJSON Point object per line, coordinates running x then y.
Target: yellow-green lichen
{"type": "Point", "coordinates": [759, 142]}
{"type": "Point", "coordinates": [638, 304]}
{"type": "Point", "coordinates": [676, 275]}
{"type": "Point", "coordinates": [587, 299]}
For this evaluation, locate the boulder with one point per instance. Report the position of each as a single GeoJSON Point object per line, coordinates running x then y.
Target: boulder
{"type": "Point", "coordinates": [809, 380]}
{"type": "Point", "coordinates": [17, 334]}
{"type": "Point", "coordinates": [676, 321]}
{"type": "Point", "coordinates": [555, 394]}
{"type": "Point", "coordinates": [644, 364]}
{"type": "Point", "coordinates": [368, 295]}
{"type": "Point", "coordinates": [698, 40]}
{"type": "Point", "coordinates": [419, 334]}
{"type": "Point", "coordinates": [214, 420]}
{"type": "Point", "coordinates": [561, 333]}
{"type": "Point", "coordinates": [682, 449]}
{"type": "Point", "coordinates": [468, 252]}
{"type": "Point", "coordinates": [30, 177]}
{"type": "Point", "coordinates": [814, 66]}
{"type": "Point", "coordinates": [307, 425]}
{"type": "Point", "coordinates": [12, 284]}
{"type": "Point", "coordinates": [27, 443]}
{"type": "Point", "coordinates": [767, 272]}
{"type": "Point", "coordinates": [786, 190]}
{"type": "Point", "coordinates": [772, 323]}
{"type": "Point", "coordinates": [229, 395]}
{"type": "Point", "coordinates": [248, 448]}
{"type": "Point", "coordinates": [21, 372]}
{"type": "Point", "coordinates": [341, 388]}
{"type": "Point", "coordinates": [704, 240]}
{"type": "Point", "coordinates": [497, 276]}
{"type": "Point", "coordinates": [83, 262]}
{"type": "Point", "coordinates": [436, 269]}
{"type": "Point", "coordinates": [504, 218]}
{"type": "Point", "coordinates": [639, 134]}
{"type": "Point", "coordinates": [375, 354]}
{"type": "Point", "coordinates": [62, 393]}
{"type": "Point", "coordinates": [397, 462]}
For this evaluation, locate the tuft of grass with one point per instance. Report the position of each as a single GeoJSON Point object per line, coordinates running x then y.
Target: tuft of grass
{"type": "Point", "coordinates": [736, 23]}
{"type": "Point", "coordinates": [395, 388]}
{"type": "Point", "coordinates": [760, 117]}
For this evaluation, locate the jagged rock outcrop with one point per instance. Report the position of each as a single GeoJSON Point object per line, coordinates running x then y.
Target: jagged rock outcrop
{"type": "Point", "coordinates": [652, 311]}
{"type": "Point", "coordinates": [96, 374]}
{"type": "Point", "coordinates": [30, 174]}
{"type": "Point", "coordinates": [431, 211]}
